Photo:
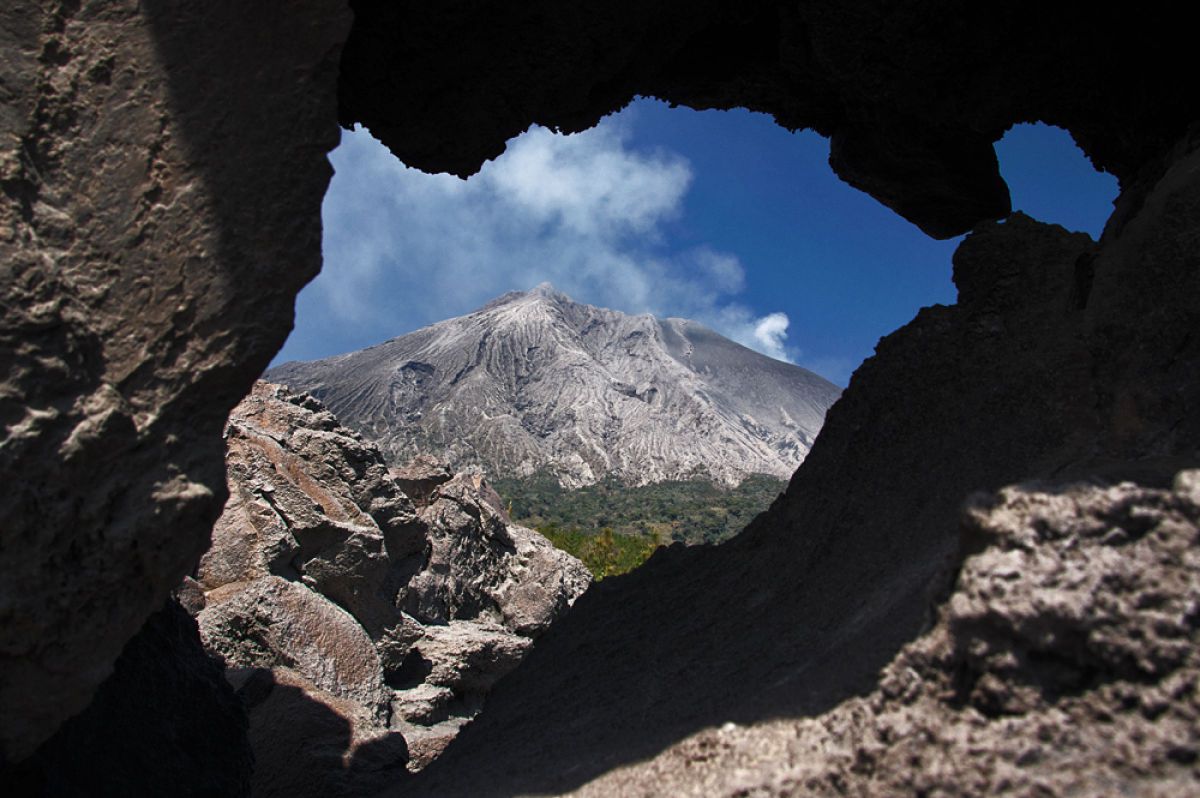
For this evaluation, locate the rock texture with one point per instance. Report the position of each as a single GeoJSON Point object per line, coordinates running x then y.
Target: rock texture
{"type": "Point", "coordinates": [536, 382]}
{"type": "Point", "coordinates": [333, 598]}
{"type": "Point", "coordinates": [166, 715]}
{"type": "Point", "coordinates": [273, 622]}
{"type": "Point", "coordinates": [1065, 663]}
{"type": "Point", "coordinates": [160, 178]}
{"type": "Point", "coordinates": [145, 285]}
{"type": "Point", "coordinates": [308, 497]}
{"type": "Point", "coordinates": [1063, 358]}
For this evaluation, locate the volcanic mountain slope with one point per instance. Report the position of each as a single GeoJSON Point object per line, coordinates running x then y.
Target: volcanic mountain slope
{"type": "Point", "coordinates": [534, 381]}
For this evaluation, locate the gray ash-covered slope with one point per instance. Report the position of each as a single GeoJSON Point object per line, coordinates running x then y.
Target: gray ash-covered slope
{"type": "Point", "coordinates": [534, 381]}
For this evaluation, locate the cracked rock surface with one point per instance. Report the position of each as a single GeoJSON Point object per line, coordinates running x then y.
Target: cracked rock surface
{"type": "Point", "coordinates": [1064, 664]}
{"type": "Point", "coordinates": [334, 598]}
{"type": "Point", "coordinates": [145, 286]}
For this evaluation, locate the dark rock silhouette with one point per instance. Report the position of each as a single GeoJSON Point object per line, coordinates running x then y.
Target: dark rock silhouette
{"type": "Point", "coordinates": [166, 716]}
{"type": "Point", "coordinates": [911, 94]}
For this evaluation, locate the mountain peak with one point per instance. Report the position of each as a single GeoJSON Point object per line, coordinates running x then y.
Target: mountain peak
{"type": "Point", "coordinates": [544, 288]}
{"type": "Point", "coordinates": [580, 393]}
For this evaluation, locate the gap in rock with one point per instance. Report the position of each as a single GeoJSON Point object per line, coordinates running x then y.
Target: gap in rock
{"type": "Point", "coordinates": [721, 217]}
{"type": "Point", "coordinates": [718, 216]}
{"type": "Point", "coordinates": [1051, 179]}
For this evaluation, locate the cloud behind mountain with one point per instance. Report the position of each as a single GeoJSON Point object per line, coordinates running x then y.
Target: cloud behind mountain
{"type": "Point", "coordinates": [586, 212]}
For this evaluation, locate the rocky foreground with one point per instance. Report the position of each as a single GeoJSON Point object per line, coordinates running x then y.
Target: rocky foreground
{"type": "Point", "coordinates": [1064, 664]}
{"type": "Point", "coordinates": [362, 612]}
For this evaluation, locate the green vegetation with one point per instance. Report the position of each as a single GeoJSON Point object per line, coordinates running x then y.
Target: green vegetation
{"type": "Point", "coordinates": [605, 553]}
{"type": "Point", "coordinates": [613, 528]}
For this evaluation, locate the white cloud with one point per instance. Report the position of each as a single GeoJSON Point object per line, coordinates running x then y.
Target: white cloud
{"type": "Point", "coordinates": [764, 334]}
{"type": "Point", "coordinates": [588, 184]}
{"type": "Point", "coordinates": [585, 212]}
{"type": "Point", "coordinates": [770, 332]}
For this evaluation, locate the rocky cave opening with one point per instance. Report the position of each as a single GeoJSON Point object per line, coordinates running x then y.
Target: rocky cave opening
{"type": "Point", "coordinates": [149, 282]}
{"type": "Point", "coordinates": [403, 249]}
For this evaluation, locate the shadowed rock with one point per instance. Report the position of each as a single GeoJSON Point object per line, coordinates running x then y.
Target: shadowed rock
{"type": "Point", "coordinates": [146, 284]}
{"type": "Point", "coordinates": [165, 716]}
{"type": "Point", "coordinates": [1065, 663]}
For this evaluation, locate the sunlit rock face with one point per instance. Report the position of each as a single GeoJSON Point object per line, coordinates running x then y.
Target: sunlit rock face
{"type": "Point", "coordinates": [325, 578]}
{"type": "Point", "coordinates": [162, 169]}
{"type": "Point", "coordinates": [536, 383]}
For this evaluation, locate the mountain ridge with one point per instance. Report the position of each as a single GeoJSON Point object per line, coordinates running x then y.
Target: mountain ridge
{"type": "Point", "coordinates": [534, 381]}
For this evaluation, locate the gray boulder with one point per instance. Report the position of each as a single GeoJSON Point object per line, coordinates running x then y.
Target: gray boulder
{"type": "Point", "coordinates": [273, 622]}
{"type": "Point", "coordinates": [469, 656]}
{"type": "Point", "coordinates": [480, 564]}
{"type": "Point", "coordinates": [311, 500]}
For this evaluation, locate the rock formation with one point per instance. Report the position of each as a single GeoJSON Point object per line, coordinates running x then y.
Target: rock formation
{"type": "Point", "coordinates": [327, 584]}
{"type": "Point", "coordinates": [146, 285]}
{"type": "Point", "coordinates": [161, 173]}
{"type": "Point", "coordinates": [911, 94]}
{"type": "Point", "coordinates": [166, 710]}
{"type": "Point", "coordinates": [1065, 663]}
{"type": "Point", "coordinates": [535, 382]}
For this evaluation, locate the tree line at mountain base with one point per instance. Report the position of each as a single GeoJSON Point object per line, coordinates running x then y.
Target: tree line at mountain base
{"type": "Point", "coordinates": [614, 528]}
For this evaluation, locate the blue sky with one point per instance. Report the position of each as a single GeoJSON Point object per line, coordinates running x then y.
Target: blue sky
{"type": "Point", "coordinates": [719, 216]}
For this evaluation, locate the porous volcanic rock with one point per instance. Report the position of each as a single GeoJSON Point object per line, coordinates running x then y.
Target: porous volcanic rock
{"type": "Point", "coordinates": [146, 283]}
{"type": "Point", "coordinates": [328, 593]}
{"type": "Point", "coordinates": [1065, 664]}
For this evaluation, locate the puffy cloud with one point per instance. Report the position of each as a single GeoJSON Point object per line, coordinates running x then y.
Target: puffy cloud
{"type": "Point", "coordinates": [764, 334]}
{"type": "Point", "coordinates": [586, 212]}
{"type": "Point", "coordinates": [587, 185]}
{"type": "Point", "coordinates": [770, 332]}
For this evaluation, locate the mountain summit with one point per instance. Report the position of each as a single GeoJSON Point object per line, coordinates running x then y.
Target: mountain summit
{"type": "Point", "coordinates": [533, 381]}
